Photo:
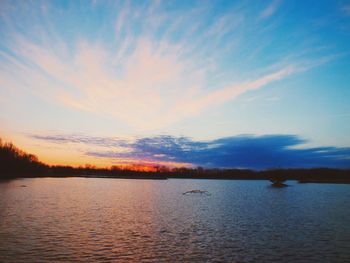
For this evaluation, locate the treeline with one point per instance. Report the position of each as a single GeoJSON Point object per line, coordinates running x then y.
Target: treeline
{"type": "Point", "coordinates": [16, 163]}
{"type": "Point", "coordinates": [301, 175]}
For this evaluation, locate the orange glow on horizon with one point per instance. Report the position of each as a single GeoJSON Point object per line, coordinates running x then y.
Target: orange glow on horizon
{"type": "Point", "coordinates": [139, 168]}
{"type": "Point", "coordinates": [106, 163]}
{"type": "Point", "coordinates": [52, 155]}
{"type": "Point", "coordinates": [109, 163]}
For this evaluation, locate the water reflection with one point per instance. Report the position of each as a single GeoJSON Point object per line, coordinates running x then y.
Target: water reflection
{"type": "Point", "coordinates": [87, 219]}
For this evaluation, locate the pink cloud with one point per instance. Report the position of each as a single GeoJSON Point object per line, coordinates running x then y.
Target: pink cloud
{"type": "Point", "coordinates": [149, 87]}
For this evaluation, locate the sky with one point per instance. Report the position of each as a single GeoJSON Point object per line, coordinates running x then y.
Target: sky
{"type": "Point", "coordinates": [245, 84]}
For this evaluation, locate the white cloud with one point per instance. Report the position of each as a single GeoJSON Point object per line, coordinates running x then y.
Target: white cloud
{"type": "Point", "coordinates": [270, 9]}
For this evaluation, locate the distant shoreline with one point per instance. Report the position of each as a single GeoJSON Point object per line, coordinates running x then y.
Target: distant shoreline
{"type": "Point", "coordinates": [300, 175]}
{"type": "Point", "coordinates": [15, 163]}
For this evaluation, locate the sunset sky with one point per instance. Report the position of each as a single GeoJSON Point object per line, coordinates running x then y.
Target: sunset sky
{"type": "Point", "coordinates": [248, 84]}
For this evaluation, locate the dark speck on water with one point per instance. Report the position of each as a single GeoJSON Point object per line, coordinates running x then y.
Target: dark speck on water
{"type": "Point", "coordinates": [196, 192]}
{"type": "Point", "coordinates": [122, 220]}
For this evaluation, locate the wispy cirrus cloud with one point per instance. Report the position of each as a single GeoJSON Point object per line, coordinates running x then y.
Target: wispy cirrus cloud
{"type": "Point", "coordinates": [152, 87]}
{"type": "Point", "coordinates": [270, 9]}
{"type": "Point", "coordinates": [155, 67]}
{"type": "Point", "coordinates": [244, 151]}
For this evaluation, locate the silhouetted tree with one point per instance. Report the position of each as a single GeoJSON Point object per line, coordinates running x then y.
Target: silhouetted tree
{"type": "Point", "coordinates": [15, 162]}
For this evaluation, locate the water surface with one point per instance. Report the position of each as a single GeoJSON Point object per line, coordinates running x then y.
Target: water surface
{"type": "Point", "coordinates": [92, 219]}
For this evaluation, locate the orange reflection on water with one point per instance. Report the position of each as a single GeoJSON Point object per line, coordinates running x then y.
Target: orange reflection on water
{"type": "Point", "coordinates": [79, 219]}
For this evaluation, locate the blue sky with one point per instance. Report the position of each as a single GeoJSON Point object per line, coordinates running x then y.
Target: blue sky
{"type": "Point", "coordinates": [202, 70]}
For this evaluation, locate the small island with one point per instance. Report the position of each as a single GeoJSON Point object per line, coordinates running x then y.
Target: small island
{"type": "Point", "coordinates": [278, 182]}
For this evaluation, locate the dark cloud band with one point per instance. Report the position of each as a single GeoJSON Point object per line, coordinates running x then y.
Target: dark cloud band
{"type": "Point", "coordinates": [245, 151]}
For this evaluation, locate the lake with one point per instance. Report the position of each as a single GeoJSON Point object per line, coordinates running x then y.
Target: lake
{"type": "Point", "coordinates": [124, 220]}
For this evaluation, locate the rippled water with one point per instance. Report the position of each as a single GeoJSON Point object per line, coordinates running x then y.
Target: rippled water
{"type": "Point", "coordinates": [86, 219]}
